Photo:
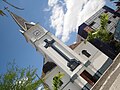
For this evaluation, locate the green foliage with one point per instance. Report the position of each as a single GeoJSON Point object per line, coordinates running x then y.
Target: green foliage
{"type": "Point", "coordinates": [2, 13]}
{"type": "Point", "coordinates": [57, 81]}
{"type": "Point", "coordinates": [19, 78]}
{"type": "Point", "coordinates": [102, 32]}
{"type": "Point", "coordinates": [104, 21]}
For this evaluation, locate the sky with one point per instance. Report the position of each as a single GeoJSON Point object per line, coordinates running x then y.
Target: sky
{"type": "Point", "coordinates": [60, 17]}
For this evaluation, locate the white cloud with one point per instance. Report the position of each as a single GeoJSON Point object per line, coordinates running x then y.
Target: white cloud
{"type": "Point", "coordinates": [51, 3]}
{"type": "Point", "coordinates": [90, 8]}
{"type": "Point", "coordinates": [77, 11]}
{"type": "Point", "coordinates": [57, 19]}
{"type": "Point", "coordinates": [46, 9]}
{"type": "Point", "coordinates": [71, 17]}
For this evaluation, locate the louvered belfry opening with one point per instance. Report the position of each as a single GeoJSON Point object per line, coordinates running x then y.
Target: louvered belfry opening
{"type": "Point", "coordinates": [48, 67]}
{"type": "Point", "coordinates": [88, 77]}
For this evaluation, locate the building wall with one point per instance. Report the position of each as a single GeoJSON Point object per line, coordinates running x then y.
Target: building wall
{"type": "Point", "coordinates": [72, 86]}
{"type": "Point", "coordinates": [117, 32]}
{"type": "Point", "coordinates": [110, 79]}
{"type": "Point", "coordinates": [49, 77]}
{"type": "Point", "coordinates": [66, 80]}
{"type": "Point", "coordinates": [95, 65]}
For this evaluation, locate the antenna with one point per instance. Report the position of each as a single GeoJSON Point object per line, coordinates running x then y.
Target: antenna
{"type": "Point", "coordinates": [12, 5]}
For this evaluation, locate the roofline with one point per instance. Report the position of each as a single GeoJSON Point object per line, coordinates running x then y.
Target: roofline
{"type": "Point", "coordinates": [105, 75]}
{"type": "Point", "coordinates": [111, 10]}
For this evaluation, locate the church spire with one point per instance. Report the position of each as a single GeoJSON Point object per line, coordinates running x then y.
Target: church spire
{"type": "Point", "coordinates": [23, 24]}
{"type": "Point", "coordinates": [20, 21]}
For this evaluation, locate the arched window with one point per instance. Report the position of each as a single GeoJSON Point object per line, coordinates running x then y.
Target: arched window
{"type": "Point", "coordinates": [86, 53]}
{"type": "Point", "coordinates": [48, 67]}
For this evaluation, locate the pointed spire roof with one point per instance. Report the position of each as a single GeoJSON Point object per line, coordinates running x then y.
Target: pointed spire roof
{"type": "Point", "coordinates": [20, 21]}
{"type": "Point", "coordinates": [24, 25]}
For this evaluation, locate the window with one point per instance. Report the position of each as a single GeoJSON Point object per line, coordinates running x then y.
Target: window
{"type": "Point", "coordinates": [86, 53]}
{"type": "Point", "coordinates": [88, 29]}
{"type": "Point", "coordinates": [109, 22]}
{"type": "Point", "coordinates": [92, 24]}
{"type": "Point", "coordinates": [114, 16]}
{"type": "Point", "coordinates": [88, 77]}
{"type": "Point", "coordinates": [48, 67]}
{"type": "Point", "coordinates": [99, 16]}
{"type": "Point", "coordinates": [105, 11]}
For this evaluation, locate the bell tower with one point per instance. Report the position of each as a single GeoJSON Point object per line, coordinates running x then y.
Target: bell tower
{"type": "Point", "coordinates": [48, 44]}
{"type": "Point", "coordinates": [51, 47]}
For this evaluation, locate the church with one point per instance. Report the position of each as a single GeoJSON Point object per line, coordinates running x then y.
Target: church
{"type": "Point", "coordinates": [82, 64]}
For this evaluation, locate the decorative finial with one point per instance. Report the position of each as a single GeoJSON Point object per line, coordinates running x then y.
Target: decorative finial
{"type": "Point", "coordinates": [6, 8]}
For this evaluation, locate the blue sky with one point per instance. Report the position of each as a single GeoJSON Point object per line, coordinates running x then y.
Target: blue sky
{"type": "Point", "coordinates": [13, 45]}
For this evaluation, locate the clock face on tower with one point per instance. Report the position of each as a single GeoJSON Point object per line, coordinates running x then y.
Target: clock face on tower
{"type": "Point", "coordinates": [36, 33]}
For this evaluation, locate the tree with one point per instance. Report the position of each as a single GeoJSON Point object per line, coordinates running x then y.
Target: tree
{"type": "Point", "coordinates": [19, 78]}
{"type": "Point", "coordinates": [57, 81]}
{"type": "Point", "coordinates": [2, 13]}
{"type": "Point", "coordinates": [102, 32]}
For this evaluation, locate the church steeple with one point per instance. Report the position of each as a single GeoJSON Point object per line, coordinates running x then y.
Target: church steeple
{"type": "Point", "coordinates": [24, 25]}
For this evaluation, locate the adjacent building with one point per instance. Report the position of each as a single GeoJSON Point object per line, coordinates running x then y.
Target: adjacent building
{"type": "Point", "coordinates": [113, 27]}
